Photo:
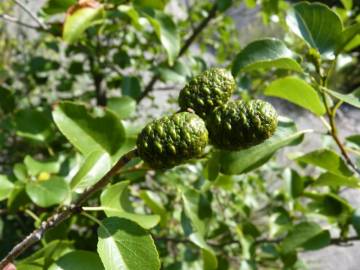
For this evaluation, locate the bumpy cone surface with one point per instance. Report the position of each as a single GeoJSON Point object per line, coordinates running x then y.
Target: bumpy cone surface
{"type": "Point", "coordinates": [240, 124]}
{"type": "Point", "coordinates": [172, 140]}
{"type": "Point", "coordinates": [207, 91]}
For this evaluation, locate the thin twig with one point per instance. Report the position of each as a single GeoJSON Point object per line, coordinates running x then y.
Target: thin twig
{"type": "Point", "coordinates": [65, 212]}
{"type": "Point", "coordinates": [184, 48]}
{"type": "Point", "coordinates": [11, 19]}
{"type": "Point", "coordinates": [31, 14]}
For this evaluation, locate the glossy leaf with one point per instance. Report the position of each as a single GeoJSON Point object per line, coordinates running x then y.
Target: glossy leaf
{"type": "Point", "coordinates": [79, 18]}
{"type": "Point", "coordinates": [306, 235]}
{"type": "Point", "coordinates": [298, 92]}
{"type": "Point", "coordinates": [352, 98]}
{"type": "Point", "coordinates": [317, 25]}
{"type": "Point", "coordinates": [79, 259]}
{"type": "Point", "coordinates": [47, 193]}
{"type": "Point", "coordinates": [95, 166]}
{"type": "Point", "coordinates": [5, 187]}
{"type": "Point", "coordinates": [124, 245]}
{"type": "Point", "coordinates": [89, 132]}
{"type": "Point", "coordinates": [265, 53]}
{"type": "Point", "coordinates": [166, 31]}
{"type": "Point", "coordinates": [335, 181]}
{"type": "Point", "coordinates": [327, 160]}
{"type": "Point", "coordinates": [115, 202]}
{"type": "Point", "coordinates": [242, 161]}
{"type": "Point", "coordinates": [124, 107]}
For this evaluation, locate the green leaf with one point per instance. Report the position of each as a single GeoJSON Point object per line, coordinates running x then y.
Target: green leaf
{"type": "Point", "coordinates": [248, 159]}
{"type": "Point", "coordinates": [265, 53]}
{"type": "Point", "coordinates": [317, 25]}
{"type": "Point", "coordinates": [335, 181]}
{"type": "Point", "coordinates": [298, 92]}
{"type": "Point", "coordinates": [47, 193]}
{"type": "Point", "coordinates": [166, 31]}
{"type": "Point", "coordinates": [347, 4]}
{"type": "Point", "coordinates": [153, 201]}
{"type": "Point", "coordinates": [95, 166]}
{"type": "Point", "coordinates": [33, 124]}
{"type": "Point", "coordinates": [79, 259]}
{"type": "Point", "coordinates": [89, 132]}
{"type": "Point", "coordinates": [327, 160]}
{"type": "Point", "coordinates": [35, 167]}
{"type": "Point", "coordinates": [197, 209]}
{"type": "Point", "coordinates": [6, 187]}
{"type": "Point", "coordinates": [295, 184]}
{"type": "Point", "coordinates": [130, 86]}
{"type": "Point", "coordinates": [124, 245]}
{"type": "Point", "coordinates": [208, 255]}
{"type": "Point", "coordinates": [53, 7]}
{"type": "Point", "coordinates": [306, 235]}
{"type": "Point", "coordinates": [355, 221]}
{"type": "Point", "coordinates": [355, 139]}
{"type": "Point", "coordinates": [7, 100]}
{"type": "Point", "coordinates": [352, 98]}
{"type": "Point", "coordinates": [348, 37]}
{"type": "Point", "coordinates": [159, 4]}
{"type": "Point", "coordinates": [124, 107]}
{"type": "Point", "coordinates": [115, 202]}
{"type": "Point", "coordinates": [79, 19]}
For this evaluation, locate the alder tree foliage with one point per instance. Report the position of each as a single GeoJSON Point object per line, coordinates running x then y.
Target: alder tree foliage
{"type": "Point", "coordinates": [79, 81]}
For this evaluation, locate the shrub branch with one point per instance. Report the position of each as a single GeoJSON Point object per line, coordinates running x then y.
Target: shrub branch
{"type": "Point", "coordinates": [65, 212]}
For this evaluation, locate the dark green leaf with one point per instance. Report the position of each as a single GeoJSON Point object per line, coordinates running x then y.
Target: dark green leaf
{"type": "Point", "coordinates": [265, 53]}
{"type": "Point", "coordinates": [79, 259]}
{"type": "Point", "coordinates": [317, 25]}
{"type": "Point", "coordinates": [248, 159]}
{"type": "Point", "coordinates": [125, 245]}
{"type": "Point", "coordinates": [298, 92]}
{"type": "Point", "coordinates": [131, 87]}
{"type": "Point", "coordinates": [7, 100]}
{"type": "Point", "coordinates": [295, 184]}
{"type": "Point", "coordinates": [89, 132]}
{"type": "Point", "coordinates": [53, 7]}
{"type": "Point", "coordinates": [355, 221]}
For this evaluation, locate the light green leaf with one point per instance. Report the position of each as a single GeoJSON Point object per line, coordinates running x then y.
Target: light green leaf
{"type": "Point", "coordinates": [242, 161]}
{"type": "Point", "coordinates": [159, 4]}
{"type": "Point", "coordinates": [327, 160]}
{"type": "Point", "coordinates": [349, 38]}
{"type": "Point", "coordinates": [115, 202]}
{"type": "Point", "coordinates": [81, 18]}
{"type": "Point", "coordinates": [124, 107]}
{"type": "Point", "coordinates": [347, 4]}
{"type": "Point", "coordinates": [33, 124]}
{"type": "Point", "coordinates": [5, 187]}
{"type": "Point", "coordinates": [124, 245]}
{"type": "Point", "coordinates": [35, 167]}
{"type": "Point", "coordinates": [298, 92]}
{"type": "Point", "coordinates": [317, 25]}
{"type": "Point", "coordinates": [265, 53]}
{"type": "Point", "coordinates": [49, 192]}
{"type": "Point", "coordinates": [53, 7]}
{"type": "Point", "coordinates": [166, 31]}
{"type": "Point", "coordinates": [79, 259]}
{"type": "Point", "coordinates": [153, 201]}
{"type": "Point", "coordinates": [335, 181]}
{"type": "Point", "coordinates": [95, 166]}
{"type": "Point", "coordinates": [352, 98]}
{"type": "Point", "coordinates": [306, 235]}
{"type": "Point", "coordinates": [208, 255]}
{"type": "Point", "coordinates": [132, 13]}
{"type": "Point", "coordinates": [89, 132]}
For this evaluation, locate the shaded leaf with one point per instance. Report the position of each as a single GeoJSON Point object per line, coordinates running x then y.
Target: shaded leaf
{"type": "Point", "coordinates": [298, 92]}
{"type": "Point", "coordinates": [130, 86]}
{"type": "Point", "coordinates": [124, 245]}
{"type": "Point", "coordinates": [7, 100]}
{"type": "Point", "coordinates": [265, 53]}
{"type": "Point", "coordinates": [335, 181]}
{"type": "Point", "coordinates": [53, 7]}
{"type": "Point", "coordinates": [78, 259]}
{"type": "Point", "coordinates": [242, 161]}
{"type": "Point", "coordinates": [35, 167]}
{"type": "Point", "coordinates": [208, 255]}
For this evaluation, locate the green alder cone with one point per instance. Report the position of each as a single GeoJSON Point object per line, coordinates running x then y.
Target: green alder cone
{"type": "Point", "coordinates": [240, 124]}
{"type": "Point", "coordinates": [207, 91]}
{"type": "Point", "coordinates": [172, 140]}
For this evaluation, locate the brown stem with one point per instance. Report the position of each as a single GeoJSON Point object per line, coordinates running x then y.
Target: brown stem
{"type": "Point", "coordinates": [183, 49]}
{"type": "Point", "coordinates": [66, 212]}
